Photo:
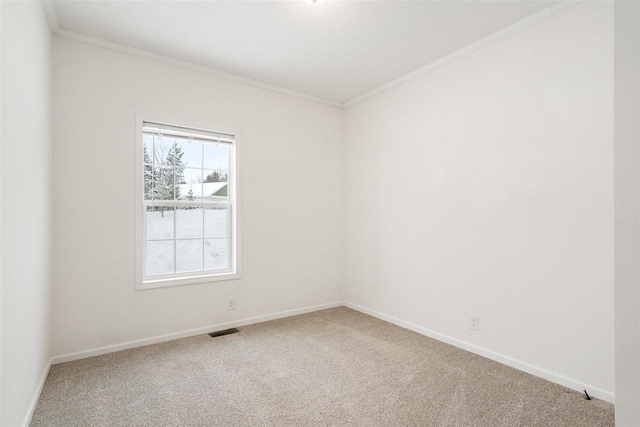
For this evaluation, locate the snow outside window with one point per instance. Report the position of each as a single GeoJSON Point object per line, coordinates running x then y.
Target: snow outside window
{"type": "Point", "coordinates": [188, 193]}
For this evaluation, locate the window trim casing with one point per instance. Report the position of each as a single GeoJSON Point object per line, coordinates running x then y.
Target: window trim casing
{"type": "Point", "coordinates": [234, 206]}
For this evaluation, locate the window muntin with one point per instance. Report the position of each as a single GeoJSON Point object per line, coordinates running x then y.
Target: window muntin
{"type": "Point", "coordinates": [187, 203]}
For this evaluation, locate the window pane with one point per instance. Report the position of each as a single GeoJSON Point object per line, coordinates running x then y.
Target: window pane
{"type": "Point", "coordinates": [149, 189]}
{"type": "Point", "coordinates": [148, 148]}
{"type": "Point", "coordinates": [189, 153]}
{"type": "Point", "coordinates": [159, 258]}
{"type": "Point", "coordinates": [148, 166]}
{"type": "Point", "coordinates": [216, 175]}
{"type": "Point", "coordinates": [169, 168]}
{"type": "Point", "coordinates": [215, 254]}
{"type": "Point", "coordinates": [188, 255]}
{"type": "Point", "coordinates": [216, 222]}
{"type": "Point", "coordinates": [159, 223]}
{"type": "Point", "coordinates": [216, 156]}
{"type": "Point", "coordinates": [215, 187]}
{"type": "Point", "coordinates": [184, 239]}
{"type": "Point", "coordinates": [188, 223]}
{"type": "Point", "coordinates": [161, 148]}
{"type": "Point", "coordinates": [190, 188]}
{"type": "Point", "coordinates": [164, 182]}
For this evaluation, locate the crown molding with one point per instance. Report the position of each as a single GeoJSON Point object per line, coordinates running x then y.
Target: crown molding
{"type": "Point", "coordinates": [72, 35]}
{"type": "Point", "coordinates": [50, 10]}
{"type": "Point", "coordinates": [460, 53]}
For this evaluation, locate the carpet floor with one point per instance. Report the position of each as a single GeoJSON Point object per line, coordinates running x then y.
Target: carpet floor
{"type": "Point", "coordinates": [331, 367]}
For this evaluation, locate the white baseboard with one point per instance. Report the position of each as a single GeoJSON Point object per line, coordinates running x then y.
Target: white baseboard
{"type": "Point", "coordinates": [505, 360]}
{"type": "Point", "coordinates": [36, 396]}
{"type": "Point", "coordinates": [177, 335]}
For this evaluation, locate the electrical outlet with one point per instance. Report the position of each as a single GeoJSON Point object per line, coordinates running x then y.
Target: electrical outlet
{"type": "Point", "coordinates": [231, 304]}
{"type": "Point", "coordinates": [474, 323]}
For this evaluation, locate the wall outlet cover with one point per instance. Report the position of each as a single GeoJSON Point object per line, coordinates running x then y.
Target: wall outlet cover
{"type": "Point", "coordinates": [474, 323]}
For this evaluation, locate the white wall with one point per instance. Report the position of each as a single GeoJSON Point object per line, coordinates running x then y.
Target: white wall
{"type": "Point", "coordinates": [26, 205]}
{"type": "Point", "coordinates": [486, 187]}
{"type": "Point", "coordinates": [627, 211]}
{"type": "Point", "coordinates": [290, 198]}
{"type": "Point", "coordinates": [1, 135]}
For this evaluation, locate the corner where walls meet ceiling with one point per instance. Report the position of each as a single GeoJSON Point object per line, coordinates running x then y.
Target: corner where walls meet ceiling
{"type": "Point", "coordinates": [337, 53]}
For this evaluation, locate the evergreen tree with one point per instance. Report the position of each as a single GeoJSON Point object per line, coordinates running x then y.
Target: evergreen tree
{"type": "Point", "coordinates": [164, 187]}
{"type": "Point", "coordinates": [148, 176]}
{"type": "Point", "coordinates": [169, 173]}
{"type": "Point", "coordinates": [175, 169]}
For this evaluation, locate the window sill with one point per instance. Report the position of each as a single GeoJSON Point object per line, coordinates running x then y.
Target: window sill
{"type": "Point", "coordinates": [188, 280]}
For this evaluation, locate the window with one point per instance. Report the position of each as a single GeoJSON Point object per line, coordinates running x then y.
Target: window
{"type": "Point", "coordinates": [187, 209]}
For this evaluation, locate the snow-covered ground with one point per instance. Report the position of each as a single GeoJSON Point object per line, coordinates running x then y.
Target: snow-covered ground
{"type": "Point", "coordinates": [201, 240]}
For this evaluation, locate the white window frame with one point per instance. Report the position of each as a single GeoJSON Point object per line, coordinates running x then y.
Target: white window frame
{"type": "Point", "coordinates": [179, 279]}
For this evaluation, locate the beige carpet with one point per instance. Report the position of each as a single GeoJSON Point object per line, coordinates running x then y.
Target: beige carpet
{"type": "Point", "coordinates": [332, 367]}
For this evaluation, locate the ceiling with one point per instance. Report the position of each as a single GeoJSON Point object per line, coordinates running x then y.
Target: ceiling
{"type": "Point", "coordinates": [336, 51]}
